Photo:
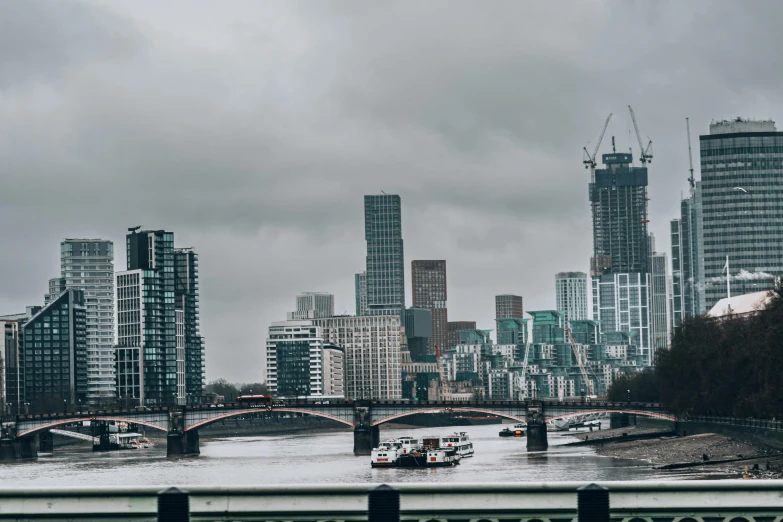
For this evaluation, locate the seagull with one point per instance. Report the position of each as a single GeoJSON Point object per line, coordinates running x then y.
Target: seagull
{"type": "Point", "coordinates": [740, 188]}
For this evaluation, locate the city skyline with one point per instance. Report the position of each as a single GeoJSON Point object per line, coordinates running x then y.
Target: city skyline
{"type": "Point", "coordinates": [490, 180]}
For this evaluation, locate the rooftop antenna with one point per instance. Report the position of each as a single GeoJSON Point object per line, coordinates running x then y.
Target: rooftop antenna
{"type": "Point", "coordinates": [691, 179]}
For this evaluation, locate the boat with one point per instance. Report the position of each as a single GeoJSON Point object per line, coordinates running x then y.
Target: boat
{"type": "Point", "coordinates": [384, 457]}
{"type": "Point", "coordinates": [460, 441]}
{"type": "Point", "coordinates": [145, 442]}
{"type": "Point", "coordinates": [407, 452]}
{"type": "Point", "coordinates": [409, 445]}
{"type": "Point", "coordinates": [519, 430]}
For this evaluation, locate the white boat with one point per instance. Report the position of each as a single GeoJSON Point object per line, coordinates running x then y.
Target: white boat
{"type": "Point", "coordinates": [385, 455]}
{"type": "Point", "coordinates": [460, 441]}
{"type": "Point", "coordinates": [440, 457]}
{"type": "Point", "coordinates": [409, 445]}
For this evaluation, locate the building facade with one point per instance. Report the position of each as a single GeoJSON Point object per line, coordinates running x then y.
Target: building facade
{"type": "Point", "coordinates": [186, 300]}
{"type": "Point", "coordinates": [385, 256]}
{"type": "Point", "coordinates": [418, 332]}
{"type": "Point", "coordinates": [455, 327]}
{"type": "Point", "coordinates": [55, 354]}
{"type": "Point", "coordinates": [312, 305]}
{"type": "Point", "coordinates": [687, 241]}
{"type": "Point", "coordinates": [146, 351]}
{"type": "Point", "coordinates": [659, 305]}
{"type": "Point", "coordinates": [571, 295]}
{"type": "Point", "coordinates": [334, 371]}
{"type": "Point", "coordinates": [621, 303]}
{"type": "Point", "coordinates": [360, 283]}
{"type": "Point", "coordinates": [742, 207]}
{"type": "Point", "coordinates": [88, 265]}
{"type": "Point", "coordinates": [294, 359]}
{"type": "Point", "coordinates": [509, 306]}
{"type": "Point", "coordinates": [429, 291]}
{"type": "Point", "coordinates": [372, 354]}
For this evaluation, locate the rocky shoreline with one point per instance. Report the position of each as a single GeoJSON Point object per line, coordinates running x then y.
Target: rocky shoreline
{"type": "Point", "coordinates": [712, 454]}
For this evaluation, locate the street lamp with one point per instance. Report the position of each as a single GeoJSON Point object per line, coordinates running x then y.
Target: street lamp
{"type": "Point", "coordinates": [65, 406]}
{"type": "Point", "coordinates": [628, 395]}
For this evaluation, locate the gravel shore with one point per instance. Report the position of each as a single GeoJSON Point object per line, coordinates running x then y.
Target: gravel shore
{"type": "Point", "coordinates": [761, 461]}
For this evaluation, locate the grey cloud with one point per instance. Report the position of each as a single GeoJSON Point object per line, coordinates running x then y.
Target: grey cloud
{"type": "Point", "coordinates": [252, 130]}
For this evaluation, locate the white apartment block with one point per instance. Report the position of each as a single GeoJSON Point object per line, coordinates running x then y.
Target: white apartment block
{"type": "Point", "coordinates": [572, 295]}
{"type": "Point", "coordinates": [372, 354]}
{"type": "Point", "coordinates": [312, 305]}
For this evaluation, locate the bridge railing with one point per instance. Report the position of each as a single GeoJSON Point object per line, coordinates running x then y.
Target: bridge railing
{"type": "Point", "coordinates": [699, 501]}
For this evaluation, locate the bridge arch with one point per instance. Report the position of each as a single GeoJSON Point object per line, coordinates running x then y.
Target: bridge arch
{"type": "Point", "coordinates": [467, 409]}
{"type": "Point", "coordinates": [642, 413]}
{"type": "Point", "coordinates": [63, 422]}
{"type": "Point", "coordinates": [235, 413]}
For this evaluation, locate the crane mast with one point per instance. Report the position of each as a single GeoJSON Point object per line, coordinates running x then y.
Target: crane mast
{"type": "Point", "coordinates": [644, 153]}
{"type": "Point", "coordinates": [579, 362]}
{"type": "Point", "coordinates": [589, 159]}
{"type": "Point", "coordinates": [691, 179]}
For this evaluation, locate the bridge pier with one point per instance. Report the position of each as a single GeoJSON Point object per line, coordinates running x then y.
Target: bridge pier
{"type": "Point", "coordinates": [365, 438]}
{"type": "Point", "coordinates": [536, 427]}
{"type": "Point", "coordinates": [100, 430]}
{"type": "Point", "coordinates": [182, 443]}
{"type": "Point", "coordinates": [19, 448]}
{"type": "Point", "coordinates": [46, 442]}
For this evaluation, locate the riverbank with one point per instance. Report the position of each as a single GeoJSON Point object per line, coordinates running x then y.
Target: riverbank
{"type": "Point", "coordinates": [712, 454]}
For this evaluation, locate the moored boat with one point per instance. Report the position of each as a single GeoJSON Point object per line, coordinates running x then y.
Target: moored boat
{"type": "Point", "coordinates": [519, 430]}
{"type": "Point", "coordinates": [460, 441]}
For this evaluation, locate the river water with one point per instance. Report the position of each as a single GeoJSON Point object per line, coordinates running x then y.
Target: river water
{"type": "Point", "coordinates": [322, 458]}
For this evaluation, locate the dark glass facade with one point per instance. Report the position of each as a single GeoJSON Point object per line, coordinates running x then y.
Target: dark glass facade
{"type": "Point", "coordinates": [385, 256]}
{"type": "Point", "coordinates": [455, 327]}
{"type": "Point", "coordinates": [293, 368]}
{"type": "Point", "coordinates": [429, 291]}
{"type": "Point", "coordinates": [187, 300]}
{"type": "Point", "coordinates": [152, 252]}
{"type": "Point", "coordinates": [55, 354]}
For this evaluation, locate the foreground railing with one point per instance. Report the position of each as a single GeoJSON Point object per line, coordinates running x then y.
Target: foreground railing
{"type": "Point", "coordinates": [686, 501]}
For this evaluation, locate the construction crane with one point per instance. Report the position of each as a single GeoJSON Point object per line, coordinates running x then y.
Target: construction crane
{"type": "Point", "coordinates": [645, 153]}
{"type": "Point", "coordinates": [691, 179]}
{"type": "Point", "coordinates": [579, 362]}
{"type": "Point", "coordinates": [589, 159]}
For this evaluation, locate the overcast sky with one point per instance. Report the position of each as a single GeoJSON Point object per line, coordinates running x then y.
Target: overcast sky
{"type": "Point", "coordinates": [253, 129]}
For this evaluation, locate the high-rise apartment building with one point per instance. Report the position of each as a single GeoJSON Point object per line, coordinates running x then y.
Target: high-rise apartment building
{"type": "Point", "coordinates": [299, 363]}
{"type": "Point", "coordinates": [455, 327]}
{"type": "Point", "coordinates": [385, 256]}
{"type": "Point", "coordinates": [186, 297]}
{"type": "Point", "coordinates": [620, 266]}
{"type": "Point", "coordinates": [742, 207]}
{"type": "Point", "coordinates": [360, 282]}
{"type": "Point", "coordinates": [372, 354]}
{"type": "Point", "coordinates": [571, 295]}
{"type": "Point", "coordinates": [418, 332]}
{"type": "Point", "coordinates": [88, 265]}
{"type": "Point", "coordinates": [146, 350]}
{"type": "Point", "coordinates": [429, 291]}
{"type": "Point", "coordinates": [312, 305]}
{"type": "Point", "coordinates": [659, 304]}
{"type": "Point", "coordinates": [56, 287]}
{"type": "Point", "coordinates": [55, 354]}
{"type": "Point", "coordinates": [688, 260]}
{"type": "Point", "coordinates": [509, 306]}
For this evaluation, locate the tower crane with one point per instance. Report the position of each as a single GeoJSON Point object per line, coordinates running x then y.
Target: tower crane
{"type": "Point", "coordinates": [579, 362]}
{"type": "Point", "coordinates": [589, 159]}
{"type": "Point", "coordinates": [691, 179]}
{"type": "Point", "coordinates": [645, 153]}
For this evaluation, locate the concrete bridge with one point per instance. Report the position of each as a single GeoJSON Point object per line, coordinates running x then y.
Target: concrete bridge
{"type": "Point", "coordinates": [26, 433]}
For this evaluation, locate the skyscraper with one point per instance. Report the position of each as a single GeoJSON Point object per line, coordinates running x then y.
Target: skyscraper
{"type": "Point", "coordinates": [688, 260]}
{"type": "Point", "coordinates": [742, 207]}
{"type": "Point", "coordinates": [429, 291]}
{"type": "Point", "coordinates": [187, 301]}
{"type": "Point", "coordinates": [385, 256]}
{"type": "Point", "coordinates": [509, 306]}
{"type": "Point", "coordinates": [620, 286]}
{"type": "Point", "coordinates": [88, 265]}
{"type": "Point", "coordinates": [571, 295]}
{"type": "Point", "coordinates": [312, 305]}
{"type": "Point", "coordinates": [659, 301]}
{"type": "Point", "coordinates": [146, 321]}
{"type": "Point", "coordinates": [360, 282]}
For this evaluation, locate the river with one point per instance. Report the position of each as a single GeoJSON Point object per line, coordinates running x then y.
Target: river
{"type": "Point", "coordinates": [321, 458]}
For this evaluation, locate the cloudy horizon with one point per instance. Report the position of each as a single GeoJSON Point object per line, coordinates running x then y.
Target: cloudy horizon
{"type": "Point", "coordinates": [253, 131]}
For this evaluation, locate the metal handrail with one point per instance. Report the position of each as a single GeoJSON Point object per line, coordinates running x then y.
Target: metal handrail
{"type": "Point", "coordinates": [349, 502]}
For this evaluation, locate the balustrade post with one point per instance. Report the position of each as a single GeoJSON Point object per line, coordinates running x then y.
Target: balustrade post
{"type": "Point", "coordinates": [383, 504]}
{"type": "Point", "coordinates": [592, 503]}
{"type": "Point", "coordinates": [173, 505]}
